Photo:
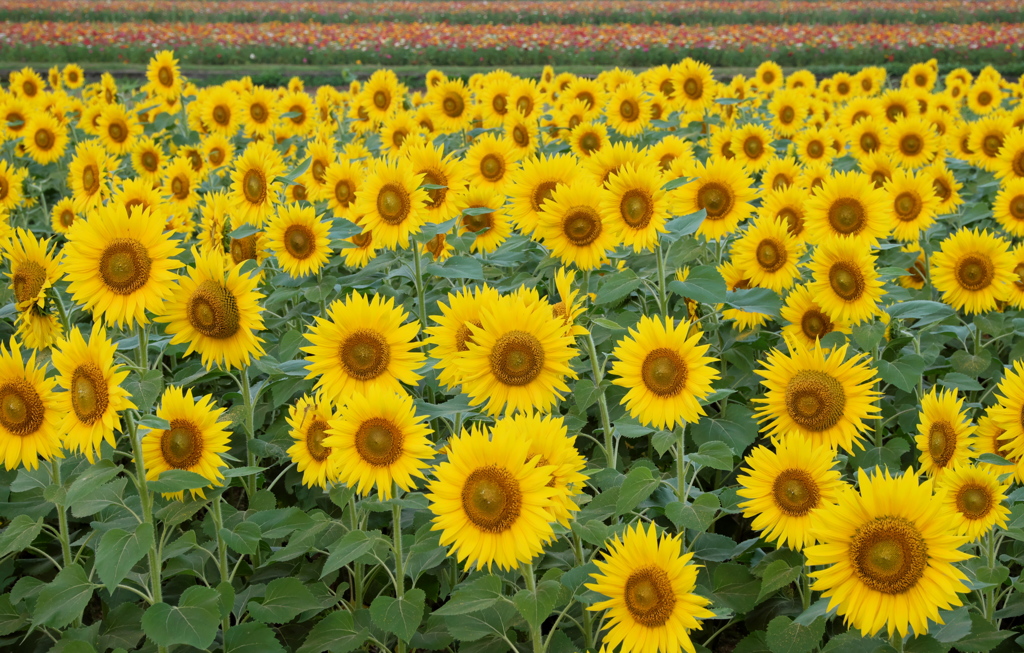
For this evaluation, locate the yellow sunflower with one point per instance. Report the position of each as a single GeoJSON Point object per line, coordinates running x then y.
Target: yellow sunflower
{"type": "Point", "coordinates": [29, 416]}
{"type": "Point", "coordinates": [788, 109]}
{"type": "Point", "coordinates": [737, 279]}
{"type": "Point", "coordinates": [484, 216]}
{"type": "Point", "coordinates": [164, 75]}
{"type": "Point", "coordinates": [973, 270]}
{"type": "Point", "coordinates": [649, 587]}
{"type": "Point", "coordinates": [534, 182]}
{"type": "Point", "coordinates": [723, 190]}
{"type": "Point", "coordinates": [844, 280]}
{"type": "Point", "coordinates": [976, 498]}
{"type": "Point", "coordinates": [361, 251]}
{"type": "Point", "coordinates": [666, 371]}
{"type": "Point", "coordinates": [216, 310]}
{"type": "Point", "coordinates": [913, 141]}
{"type": "Point", "coordinates": [451, 333]}
{"type": "Point", "coordinates": [118, 129]}
{"type": "Point", "coordinates": [490, 162]}
{"type": "Point", "coordinates": [299, 239]}
{"type": "Point", "coordinates": [1010, 161]}
{"type": "Point", "coordinates": [34, 268]}
{"type": "Point", "coordinates": [490, 502]}
{"type": "Point", "coordinates": [381, 94]}
{"type": "Point", "coordinates": [769, 254]}
{"type": "Point", "coordinates": [570, 307]}
{"type": "Point", "coordinates": [73, 75]}
{"type": "Point", "coordinates": [635, 200]}
{"type": "Point", "coordinates": [818, 394]}
{"type": "Point", "coordinates": [391, 203]}
{"type": "Point", "coordinates": [846, 206]}
{"type": "Point", "coordinates": [517, 359]}
{"type": "Point", "coordinates": [866, 137]}
{"type": "Point", "coordinates": [944, 432]}
{"type": "Point", "coordinates": [309, 420]}
{"type": "Point", "coordinates": [752, 145]}
{"type": "Point", "coordinates": [120, 266]}
{"type": "Point", "coordinates": [438, 169]}
{"type": "Point", "coordinates": [148, 159]}
{"type": "Point", "coordinates": [572, 225]}
{"type": "Point", "coordinates": [93, 399]}
{"type": "Point", "coordinates": [88, 176]}
{"type": "Point", "coordinates": [218, 151]}
{"type": "Point", "coordinates": [889, 551]}
{"type": "Point", "coordinates": [522, 134]}
{"type": "Point", "coordinates": [220, 111]}
{"type": "Point", "coordinates": [806, 321]}
{"type": "Point", "coordinates": [12, 182]}
{"type": "Point", "coordinates": [63, 215]}
{"type": "Point", "coordinates": [180, 186]}
{"type": "Point", "coordinates": [628, 109]}
{"type": "Point", "coordinates": [254, 185]}
{"type": "Point", "coordinates": [587, 138]}
{"type": "Point", "coordinates": [194, 441]}
{"type": "Point", "coordinates": [451, 105]}
{"type": "Point", "coordinates": [1008, 412]}
{"type": "Point", "coordinates": [984, 96]}
{"type": "Point", "coordinates": [783, 487]}
{"type": "Point", "coordinates": [697, 84]}
{"type": "Point", "coordinates": [912, 204]}
{"type": "Point", "coordinates": [341, 182]}
{"type": "Point", "coordinates": [259, 112]}
{"type": "Point", "coordinates": [1008, 207]}
{"type": "Point", "coordinates": [45, 138]}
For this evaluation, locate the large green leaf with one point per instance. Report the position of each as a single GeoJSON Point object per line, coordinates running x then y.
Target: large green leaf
{"type": "Point", "coordinates": [118, 552]}
{"type": "Point", "coordinates": [399, 616]}
{"type": "Point", "coordinates": [63, 599]}
{"type": "Point", "coordinates": [284, 600]}
{"type": "Point", "coordinates": [193, 622]}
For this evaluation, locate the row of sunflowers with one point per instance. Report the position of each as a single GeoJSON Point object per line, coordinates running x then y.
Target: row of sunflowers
{"type": "Point", "coordinates": [645, 362]}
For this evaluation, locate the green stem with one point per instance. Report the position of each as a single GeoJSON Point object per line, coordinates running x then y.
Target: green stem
{"type": "Point", "coordinates": [421, 302]}
{"type": "Point", "coordinates": [250, 430]}
{"type": "Point", "coordinates": [357, 568]}
{"type": "Point", "coordinates": [62, 515]}
{"type": "Point", "coordinates": [805, 588]}
{"type": "Point", "coordinates": [396, 536]}
{"type": "Point", "coordinates": [146, 498]}
{"type": "Point", "coordinates": [682, 491]}
{"type": "Point", "coordinates": [143, 351]}
{"type": "Point", "coordinates": [588, 620]}
{"type": "Point", "coordinates": [531, 584]}
{"type": "Point", "coordinates": [222, 551]}
{"type": "Point", "coordinates": [897, 641]}
{"type": "Point", "coordinates": [662, 294]}
{"type": "Point", "coordinates": [602, 403]}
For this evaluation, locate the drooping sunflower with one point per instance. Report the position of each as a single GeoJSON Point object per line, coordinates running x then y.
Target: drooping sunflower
{"type": "Point", "coordinates": [769, 254]}
{"type": "Point", "coordinates": [635, 200]}
{"type": "Point", "coordinates": [817, 394]}
{"type": "Point", "coordinates": [379, 441]}
{"type": "Point", "coordinates": [723, 190]}
{"type": "Point", "coordinates": [889, 551]}
{"type": "Point", "coordinates": [976, 499]}
{"type": "Point", "coordinates": [93, 399]}
{"type": "Point", "coordinates": [216, 310]}
{"type": "Point", "coordinates": [362, 346]}
{"type": "Point", "coordinates": [649, 584]}
{"type": "Point", "coordinates": [783, 487]}
{"type": "Point", "coordinates": [788, 204]}
{"type": "Point", "coordinates": [944, 432]}
{"type": "Point", "coordinates": [299, 239]}
{"type": "Point", "coordinates": [391, 203]}
{"type": "Point", "coordinates": [45, 139]}
{"type": "Point", "coordinates": [254, 188]}
{"type": "Point", "coordinates": [518, 358]}
{"type": "Point", "coordinates": [912, 204]}
{"type": "Point", "coordinates": [34, 268]}
{"type": "Point", "coordinates": [844, 280]}
{"type": "Point", "coordinates": [484, 215]}
{"type": "Point", "coordinates": [491, 503]}
{"type": "Point", "coordinates": [361, 252]}
{"type": "Point", "coordinates": [120, 265]}
{"type": "Point", "coordinates": [194, 441]}
{"type": "Point", "coordinates": [29, 416]}
{"type": "Point", "coordinates": [534, 182]}
{"type": "Point", "coordinates": [806, 321]}
{"type": "Point", "coordinates": [847, 206]}
{"type": "Point", "coordinates": [666, 371]}
{"type": "Point", "coordinates": [38, 328]}
{"type": "Point", "coordinates": [973, 270]}
{"type": "Point", "coordinates": [572, 225]}
{"type": "Point", "coordinates": [309, 420]}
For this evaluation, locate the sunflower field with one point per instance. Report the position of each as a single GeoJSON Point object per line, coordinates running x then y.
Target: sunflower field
{"type": "Point", "coordinates": [647, 362]}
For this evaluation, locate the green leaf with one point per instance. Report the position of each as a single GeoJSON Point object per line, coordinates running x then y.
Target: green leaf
{"type": "Point", "coordinates": [679, 182]}
{"type": "Point", "coordinates": [19, 534]}
{"type": "Point", "coordinates": [352, 546]}
{"type": "Point", "coordinates": [970, 364]}
{"type": "Point", "coordinates": [961, 382]}
{"type": "Point", "coordinates": [11, 619]}
{"type": "Point", "coordinates": [64, 598]}
{"type": "Point", "coordinates": [716, 455]}
{"type": "Point", "coordinates": [662, 441]}
{"type": "Point", "coordinates": [778, 575]}
{"type": "Point", "coordinates": [956, 624]}
{"type": "Point", "coordinates": [785, 636]}
{"type": "Point", "coordinates": [904, 373]}
{"type": "Point", "coordinates": [852, 642]}
{"type": "Point", "coordinates": [867, 336]}
{"type": "Point", "coordinates": [90, 481]}
{"type": "Point", "coordinates": [537, 606]}
{"type": "Point", "coordinates": [984, 636]}
{"type": "Point", "coordinates": [251, 637]}
{"type": "Point", "coordinates": [284, 600]}
{"type": "Point", "coordinates": [755, 300]}
{"type": "Point", "coordinates": [494, 621]}
{"type": "Point", "coordinates": [616, 287]}
{"type": "Point", "coordinates": [458, 267]}
{"type": "Point", "coordinates": [735, 586]}
{"type": "Point", "coordinates": [585, 393]}
{"type": "Point", "coordinates": [194, 622]}
{"type": "Point", "coordinates": [993, 459]}
{"type": "Point", "coordinates": [639, 484]}
{"type": "Point", "coordinates": [336, 633]}
{"type": "Point", "coordinates": [696, 515]}
{"type": "Point", "coordinates": [735, 428]}
{"type": "Point", "coordinates": [703, 284]}
{"type": "Point", "coordinates": [118, 552]}
{"type": "Point", "coordinates": [145, 388]}
{"type": "Point", "coordinates": [684, 225]}
{"type": "Point", "coordinates": [399, 616]}
{"type": "Point", "coordinates": [176, 480]}
{"type": "Point", "coordinates": [607, 324]}
{"type": "Point", "coordinates": [476, 595]}
{"type": "Point", "coordinates": [154, 423]}
{"type": "Point", "coordinates": [924, 311]}
{"type": "Point", "coordinates": [244, 538]}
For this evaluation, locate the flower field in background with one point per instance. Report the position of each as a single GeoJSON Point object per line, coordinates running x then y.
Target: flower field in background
{"type": "Point", "coordinates": [646, 362]}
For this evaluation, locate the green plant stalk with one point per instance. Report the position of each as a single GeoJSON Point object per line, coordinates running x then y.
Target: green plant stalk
{"type": "Point", "coordinates": [250, 430]}
{"type": "Point", "coordinates": [805, 588]}
{"type": "Point", "coordinates": [421, 302]}
{"type": "Point", "coordinates": [62, 515]}
{"type": "Point", "coordinates": [588, 620]}
{"type": "Point", "coordinates": [146, 498]}
{"type": "Point", "coordinates": [143, 351]}
{"type": "Point", "coordinates": [662, 293]}
{"type": "Point", "coordinates": [602, 404]}
{"type": "Point", "coordinates": [896, 641]}
{"type": "Point", "coordinates": [222, 552]}
{"type": "Point", "coordinates": [989, 596]}
{"type": "Point", "coordinates": [396, 536]}
{"type": "Point", "coordinates": [531, 584]}
{"type": "Point", "coordinates": [357, 567]}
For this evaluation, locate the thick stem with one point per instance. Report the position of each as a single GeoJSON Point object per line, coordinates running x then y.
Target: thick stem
{"type": "Point", "coordinates": [531, 584]}
{"type": "Point", "coordinates": [662, 294]}
{"type": "Point", "coordinates": [357, 568]}
{"type": "Point", "coordinates": [396, 536]}
{"type": "Point", "coordinates": [588, 620]}
{"type": "Point", "coordinates": [142, 332]}
{"type": "Point", "coordinates": [805, 587]}
{"type": "Point", "coordinates": [62, 515]}
{"type": "Point", "coordinates": [602, 403]}
{"type": "Point", "coordinates": [896, 641]}
{"type": "Point", "coordinates": [222, 551]}
{"type": "Point", "coordinates": [146, 498]}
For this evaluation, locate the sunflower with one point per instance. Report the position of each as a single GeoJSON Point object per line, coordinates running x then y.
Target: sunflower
{"type": "Point", "coordinates": [217, 151]}
{"type": "Point", "coordinates": [164, 75]}
{"type": "Point", "coordinates": [451, 333]}
{"type": "Point", "coordinates": [119, 265]}
{"type": "Point", "coordinates": [118, 129]}
{"type": "Point", "coordinates": [180, 186]}
{"type": "Point", "coordinates": [491, 503]}
{"type": "Point", "coordinates": [496, 101]}
{"type": "Point", "coordinates": [258, 111]}
{"type": "Point", "coordinates": [912, 203]}
{"type": "Point", "coordinates": [788, 109]}
{"type": "Point", "coordinates": [299, 239]}
{"type": "Point", "coordinates": [194, 441]}
{"type": "Point", "coordinates": [63, 215]}
{"type": "Point", "coordinates": [649, 584]}
{"type": "Point", "coordinates": [490, 161]}
{"type": "Point", "coordinates": [897, 104]}
{"type": "Point", "coordinates": [363, 346]}
{"type": "Point", "coordinates": [391, 202]}
{"type": "Point", "coordinates": [521, 134]}
{"type": "Point", "coordinates": [635, 201]}
{"type": "Point", "coordinates": [1015, 290]}
{"type": "Point", "coordinates": [216, 310]}
{"type": "Point", "coordinates": [696, 84]}
{"type": "Point", "coordinates": [309, 420]}
{"type": "Point", "coordinates": [484, 216]}
{"type": "Point", "coordinates": [890, 551]}
{"type": "Point", "coordinates": [1008, 412]}
{"type": "Point", "coordinates": [984, 96]}
{"type": "Point", "coordinates": [972, 270]}
{"type": "Point", "coordinates": [787, 204]}
{"type": "Point", "coordinates": [221, 111]}
{"type": "Point", "coordinates": [769, 254]}
{"type": "Point", "coordinates": [44, 138]}
{"type": "Point", "coordinates": [628, 109]}
{"type": "Point", "coordinates": [666, 371]}
{"type": "Point", "coordinates": [806, 321]}
{"type": "Point", "coordinates": [451, 102]}
{"type": "Point", "coordinates": [254, 185]}
{"type": "Point", "coordinates": [572, 225]}
{"type": "Point", "coordinates": [382, 94]}
{"type": "Point", "coordinates": [976, 498]}
{"type": "Point", "coordinates": [88, 177]}
{"type": "Point", "coordinates": [817, 394]}
{"type": "Point", "coordinates": [912, 141]}
{"type": "Point", "coordinates": [1008, 207]}
{"type": "Point", "coordinates": [534, 182]}
{"type": "Point", "coordinates": [723, 190]}
{"type": "Point", "coordinates": [12, 181]}
{"type": "Point", "coordinates": [784, 486]}
{"type": "Point", "coordinates": [73, 76]}
{"type": "Point", "coordinates": [148, 159]}
{"type": "Point", "coordinates": [752, 145]}
{"type": "Point", "coordinates": [587, 138]}
{"type": "Point", "coordinates": [93, 399]}
{"type": "Point", "coordinates": [295, 111]}
{"type": "Point", "coordinates": [947, 188]}
{"type": "Point", "coordinates": [1010, 161]}
{"type": "Point", "coordinates": [360, 251]}
{"type": "Point", "coordinates": [517, 358]}
{"type": "Point", "coordinates": [29, 417]}
{"type": "Point", "coordinates": [341, 182]}
{"type": "Point", "coordinates": [34, 268]}
{"type": "Point", "coordinates": [671, 151]}
{"type": "Point", "coordinates": [986, 140]}
{"type": "Point", "coordinates": [438, 169]}
{"type": "Point", "coordinates": [780, 173]}
{"type": "Point", "coordinates": [866, 137]}
{"type": "Point", "coordinates": [846, 206]}
{"type": "Point", "coordinates": [844, 280]}
{"type": "Point", "coordinates": [943, 432]}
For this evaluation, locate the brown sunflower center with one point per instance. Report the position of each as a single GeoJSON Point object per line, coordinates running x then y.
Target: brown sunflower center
{"type": "Point", "coordinates": [629, 110]}
{"type": "Point", "coordinates": [90, 179]}
{"type": "Point", "coordinates": [894, 112]}
{"type": "Point", "coordinates": [492, 167]}
{"type": "Point", "coordinates": [436, 195]}
{"type": "Point", "coordinates": [636, 208]}
{"type": "Point", "coordinates": [29, 278]}
{"type": "Point", "coordinates": [213, 311]}
{"type": "Point", "coordinates": [315, 435]}
{"type": "Point", "coordinates": [379, 442]}
{"type": "Point", "coordinates": [1017, 207]}
{"type": "Point", "coordinates": [581, 226]}
{"type": "Point", "coordinates": [465, 335]}
{"type": "Point", "coordinates": [794, 221]}
{"type": "Point", "coordinates": [991, 144]}
{"type": "Point", "coordinates": [753, 147]}
{"type": "Point", "coordinates": [788, 114]}
{"type": "Point", "coordinates": [590, 142]}
{"type": "Point", "coordinates": [44, 139]}
{"type": "Point", "coordinates": [521, 136]}
{"type": "Point", "coordinates": [879, 177]}
{"type": "Point", "coordinates": [846, 215]}
{"type": "Point", "coordinates": [150, 161]}
{"type": "Point", "coordinates": [942, 189]}
{"type": "Point", "coordinates": [258, 112]}
{"type": "Point", "coordinates": [393, 204]}
{"type": "Point", "coordinates": [182, 444]}
{"type": "Point", "coordinates": [492, 499]}
{"type": "Point", "coordinates": [771, 254]}
{"type": "Point", "coordinates": [815, 400]}
{"type": "Point", "coordinates": [816, 149]}
{"type": "Point", "coordinates": [180, 187]}
{"type": "Point", "coordinates": [21, 407]}
{"type": "Point", "coordinates": [362, 240]}
{"type": "Point", "coordinates": [517, 358]}
{"type": "Point", "coordinates": [543, 192]}
{"type": "Point", "coordinates": [478, 221]}
{"type": "Point", "coordinates": [254, 187]}
{"type": "Point", "coordinates": [524, 105]}
{"type": "Point", "coordinates": [889, 555]}
{"type": "Point", "coordinates": [381, 99]}
{"type": "Point", "coordinates": [693, 88]}
{"type": "Point", "coordinates": [911, 144]}
{"type": "Point", "coordinates": [365, 355]}
{"type": "Point", "coordinates": [453, 105]}
{"type": "Point", "coordinates": [221, 115]}
{"type": "Point", "coordinates": [795, 492]}
{"type": "Point", "coordinates": [343, 192]}
{"type": "Point", "coordinates": [941, 443]}
{"type": "Point", "coordinates": [194, 158]}
{"type": "Point", "coordinates": [649, 596]}
{"type": "Point", "coordinates": [846, 281]}
{"type": "Point", "coordinates": [499, 103]}
{"type": "Point", "coordinates": [974, 501]}
{"type": "Point", "coordinates": [816, 324]}
{"type": "Point", "coordinates": [868, 142]}
{"type": "Point", "coordinates": [908, 206]}
{"type": "Point", "coordinates": [716, 199]}
{"type": "Point", "coordinates": [89, 396]}
{"type": "Point", "coordinates": [117, 131]}
{"type": "Point", "coordinates": [299, 241]}
{"type": "Point", "coordinates": [165, 76]}
{"type": "Point", "coordinates": [125, 266]}
{"type": "Point", "coordinates": [243, 249]}
{"type": "Point", "coordinates": [67, 218]}
{"type": "Point", "coordinates": [974, 272]}
{"type": "Point", "coordinates": [664, 372]}
{"type": "Point", "coordinates": [217, 155]}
